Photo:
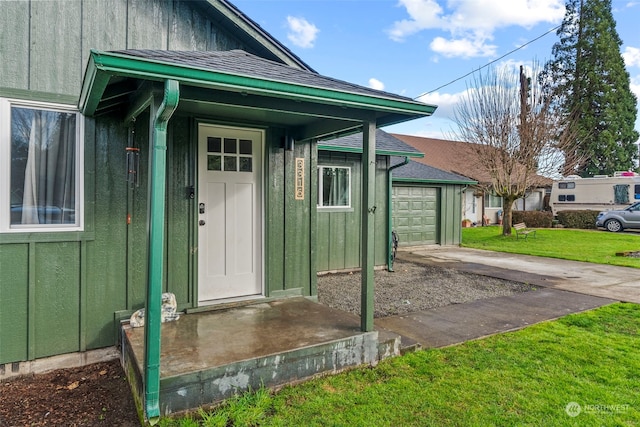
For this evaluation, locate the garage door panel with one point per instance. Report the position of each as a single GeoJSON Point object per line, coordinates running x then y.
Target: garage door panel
{"type": "Point", "coordinates": [415, 215]}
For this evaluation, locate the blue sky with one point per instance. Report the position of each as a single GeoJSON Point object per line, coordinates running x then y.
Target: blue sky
{"type": "Point", "coordinates": [412, 47]}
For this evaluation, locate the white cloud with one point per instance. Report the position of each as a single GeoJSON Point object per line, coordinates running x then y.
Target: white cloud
{"type": "Point", "coordinates": [302, 33]}
{"type": "Point", "coordinates": [376, 84]}
{"type": "Point", "coordinates": [471, 23]}
{"type": "Point", "coordinates": [631, 56]}
{"type": "Point", "coordinates": [464, 48]}
{"type": "Point", "coordinates": [445, 102]}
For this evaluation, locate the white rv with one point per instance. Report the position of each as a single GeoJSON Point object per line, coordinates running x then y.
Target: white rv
{"type": "Point", "coordinates": [600, 193]}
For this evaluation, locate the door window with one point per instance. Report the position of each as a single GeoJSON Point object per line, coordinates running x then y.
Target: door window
{"type": "Point", "coordinates": [229, 154]}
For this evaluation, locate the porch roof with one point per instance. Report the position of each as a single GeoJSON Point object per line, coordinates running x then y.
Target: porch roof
{"type": "Point", "coordinates": [244, 87]}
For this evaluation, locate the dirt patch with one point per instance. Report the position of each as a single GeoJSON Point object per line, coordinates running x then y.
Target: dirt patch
{"type": "Point", "coordinates": [98, 395]}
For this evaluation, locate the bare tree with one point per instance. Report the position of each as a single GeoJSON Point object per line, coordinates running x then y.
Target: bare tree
{"type": "Point", "coordinates": [518, 138]}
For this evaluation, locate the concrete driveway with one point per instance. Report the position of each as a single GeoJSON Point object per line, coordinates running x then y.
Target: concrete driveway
{"type": "Point", "coordinates": [618, 283]}
{"type": "Point", "coordinates": [565, 287]}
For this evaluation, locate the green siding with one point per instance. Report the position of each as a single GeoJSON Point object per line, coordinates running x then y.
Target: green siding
{"type": "Point", "coordinates": [55, 59]}
{"type": "Point", "coordinates": [288, 233]}
{"type": "Point", "coordinates": [14, 295]}
{"type": "Point", "coordinates": [15, 44]}
{"type": "Point", "coordinates": [51, 59]}
{"type": "Point", "coordinates": [181, 210]}
{"type": "Point", "coordinates": [338, 231]}
{"type": "Point", "coordinates": [56, 321]}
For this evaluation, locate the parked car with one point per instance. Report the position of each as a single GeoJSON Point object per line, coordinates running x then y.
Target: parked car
{"type": "Point", "coordinates": [618, 220]}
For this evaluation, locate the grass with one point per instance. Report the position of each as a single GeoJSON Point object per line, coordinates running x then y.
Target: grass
{"type": "Point", "coordinates": [526, 378]}
{"type": "Point", "coordinates": [594, 246]}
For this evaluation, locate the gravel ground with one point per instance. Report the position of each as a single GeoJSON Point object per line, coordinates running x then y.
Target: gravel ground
{"type": "Point", "coordinates": [413, 287]}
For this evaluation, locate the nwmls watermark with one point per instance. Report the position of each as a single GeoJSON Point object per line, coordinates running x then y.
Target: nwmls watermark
{"type": "Point", "coordinates": [573, 409]}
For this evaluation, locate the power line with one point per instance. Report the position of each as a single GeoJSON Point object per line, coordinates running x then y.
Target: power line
{"type": "Point", "coordinates": [488, 63]}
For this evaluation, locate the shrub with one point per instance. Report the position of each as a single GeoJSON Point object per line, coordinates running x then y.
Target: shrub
{"type": "Point", "coordinates": [534, 219]}
{"type": "Point", "coordinates": [578, 219]}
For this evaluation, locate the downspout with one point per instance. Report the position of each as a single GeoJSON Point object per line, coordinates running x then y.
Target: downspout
{"type": "Point", "coordinates": [156, 250]}
{"type": "Point", "coordinates": [390, 213]}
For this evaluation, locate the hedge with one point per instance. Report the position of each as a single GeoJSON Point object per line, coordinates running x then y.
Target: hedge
{"type": "Point", "coordinates": [585, 219]}
{"type": "Point", "coordinates": [534, 219]}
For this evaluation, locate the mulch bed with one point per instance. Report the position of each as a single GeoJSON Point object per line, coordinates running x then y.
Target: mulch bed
{"type": "Point", "coordinates": [93, 395]}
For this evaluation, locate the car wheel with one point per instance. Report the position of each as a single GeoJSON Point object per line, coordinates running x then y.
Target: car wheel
{"type": "Point", "coordinates": [613, 225]}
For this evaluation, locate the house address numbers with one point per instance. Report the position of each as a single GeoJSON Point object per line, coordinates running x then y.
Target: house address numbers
{"type": "Point", "coordinates": [299, 187]}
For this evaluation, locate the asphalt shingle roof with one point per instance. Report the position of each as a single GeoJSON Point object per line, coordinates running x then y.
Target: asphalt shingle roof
{"type": "Point", "coordinates": [239, 62]}
{"type": "Point", "coordinates": [421, 172]}
{"type": "Point", "coordinates": [384, 142]}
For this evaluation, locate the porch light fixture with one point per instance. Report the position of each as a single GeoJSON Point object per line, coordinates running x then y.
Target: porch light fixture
{"type": "Point", "coordinates": [287, 142]}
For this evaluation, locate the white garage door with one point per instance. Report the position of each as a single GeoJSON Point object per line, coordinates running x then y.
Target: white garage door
{"type": "Point", "coordinates": [415, 215]}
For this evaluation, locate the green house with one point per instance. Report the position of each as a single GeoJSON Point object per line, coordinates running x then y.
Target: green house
{"type": "Point", "coordinates": [154, 146]}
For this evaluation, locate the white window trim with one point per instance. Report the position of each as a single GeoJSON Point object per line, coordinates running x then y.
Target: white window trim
{"type": "Point", "coordinates": [320, 188]}
{"type": "Point", "coordinates": [488, 197]}
{"type": "Point", "coordinates": [5, 166]}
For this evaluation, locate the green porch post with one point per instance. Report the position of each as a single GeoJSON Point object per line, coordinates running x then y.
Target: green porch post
{"type": "Point", "coordinates": [157, 184]}
{"type": "Point", "coordinates": [368, 224]}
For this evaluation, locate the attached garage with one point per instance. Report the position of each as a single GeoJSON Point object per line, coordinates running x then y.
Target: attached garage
{"type": "Point", "coordinates": [426, 204]}
{"type": "Point", "coordinates": [415, 215]}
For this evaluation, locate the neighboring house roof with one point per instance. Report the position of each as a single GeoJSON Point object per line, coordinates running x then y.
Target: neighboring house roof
{"type": "Point", "coordinates": [385, 145]}
{"type": "Point", "coordinates": [252, 34]}
{"type": "Point", "coordinates": [418, 172]}
{"type": "Point", "coordinates": [453, 156]}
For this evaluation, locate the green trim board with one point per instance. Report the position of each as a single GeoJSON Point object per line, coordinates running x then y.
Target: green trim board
{"type": "Point", "coordinates": [379, 152]}
{"type": "Point", "coordinates": [434, 181]}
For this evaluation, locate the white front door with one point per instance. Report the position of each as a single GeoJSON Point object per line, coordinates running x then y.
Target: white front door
{"type": "Point", "coordinates": [229, 212]}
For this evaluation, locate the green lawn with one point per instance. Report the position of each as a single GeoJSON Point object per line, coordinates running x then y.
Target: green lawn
{"type": "Point", "coordinates": [526, 378]}
{"type": "Point", "coordinates": [599, 247]}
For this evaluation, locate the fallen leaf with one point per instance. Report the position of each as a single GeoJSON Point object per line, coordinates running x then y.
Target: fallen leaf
{"type": "Point", "coordinates": [103, 372]}
{"type": "Point", "coordinates": [73, 385]}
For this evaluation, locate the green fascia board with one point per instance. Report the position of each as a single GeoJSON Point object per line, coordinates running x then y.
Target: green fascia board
{"type": "Point", "coordinates": [103, 65]}
{"type": "Point", "coordinates": [433, 181]}
{"type": "Point", "coordinates": [324, 147]}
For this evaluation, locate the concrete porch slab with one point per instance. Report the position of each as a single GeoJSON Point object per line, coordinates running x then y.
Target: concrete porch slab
{"type": "Point", "coordinates": [206, 357]}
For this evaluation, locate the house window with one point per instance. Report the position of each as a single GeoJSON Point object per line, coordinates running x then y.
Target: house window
{"type": "Point", "coordinates": [636, 192]}
{"type": "Point", "coordinates": [334, 184]}
{"type": "Point", "coordinates": [566, 197]}
{"type": "Point", "coordinates": [41, 152]}
{"type": "Point", "coordinates": [491, 200]}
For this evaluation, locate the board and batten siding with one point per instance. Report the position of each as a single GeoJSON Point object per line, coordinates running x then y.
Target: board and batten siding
{"type": "Point", "coordinates": [49, 41]}
{"type": "Point", "coordinates": [66, 292]}
{"type": "Point", "coordinates": [338, 235]}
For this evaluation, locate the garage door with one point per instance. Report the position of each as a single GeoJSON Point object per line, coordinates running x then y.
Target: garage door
{"type": "Point", "coordinates": [415, 215]}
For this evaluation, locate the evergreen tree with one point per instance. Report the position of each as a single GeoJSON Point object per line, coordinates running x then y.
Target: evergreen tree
{"type": "Point", "coordinates": [591, 83]}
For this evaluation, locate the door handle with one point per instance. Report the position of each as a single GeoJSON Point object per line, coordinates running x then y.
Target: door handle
{"type": "Point", "coordinates": [201, 222]}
